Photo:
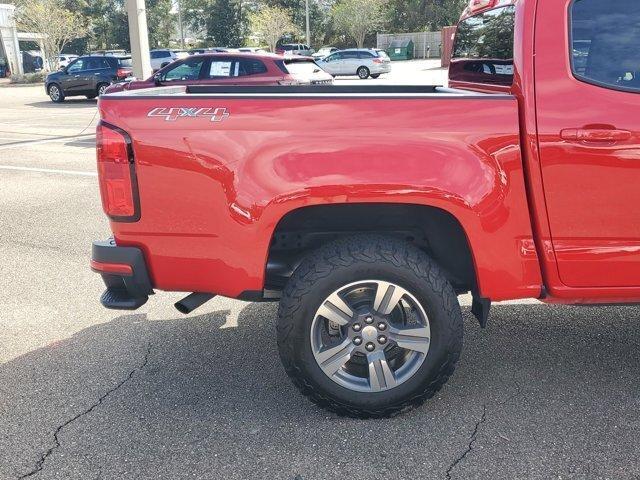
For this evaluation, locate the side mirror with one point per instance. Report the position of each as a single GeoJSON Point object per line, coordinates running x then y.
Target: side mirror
{"type": "Point", "coordinates": [157, 81]}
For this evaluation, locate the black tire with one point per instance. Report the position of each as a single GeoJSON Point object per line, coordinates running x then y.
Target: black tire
{"type": "Point", "coordinates": [375, 75]}
{"type": "Point", "coordinates": [363, 73]}
{"type": "Point", "coordinates": [56, 94]}
{"type": "Point", "coordinates": [101, 88]}
{"type": "Point", "coordinates": [360, 258]}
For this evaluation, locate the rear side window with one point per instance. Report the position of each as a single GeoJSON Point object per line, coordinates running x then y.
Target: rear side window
{"type": "Point", "coordinates": [349, 54]}
{"type": "Point", "coordinates": [605, 43]}
{"type": "Point", "coordinates": [365, 55]}
{"type": "Point", "coordinates": [483, 50]}
{"type": "Point", "coordinates": [250, 67]}
{"type": "Point", "coordinates": [125, 62]}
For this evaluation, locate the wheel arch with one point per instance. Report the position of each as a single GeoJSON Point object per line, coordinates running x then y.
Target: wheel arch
{"type": "Point", "coordinates": [432, 229]}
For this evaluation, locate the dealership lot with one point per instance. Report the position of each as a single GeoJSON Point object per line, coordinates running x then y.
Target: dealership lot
{"type": "Point", "coordinates": [543, 392]}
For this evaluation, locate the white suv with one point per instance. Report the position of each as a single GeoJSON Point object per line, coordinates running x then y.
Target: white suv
{"type": "Point", "coordinates": [295, 49]}
{"type": "Point", "coordinates": [161, 58]}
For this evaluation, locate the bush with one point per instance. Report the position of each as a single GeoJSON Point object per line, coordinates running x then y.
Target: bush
{"type": "Point", "coordinates": [37, 77]}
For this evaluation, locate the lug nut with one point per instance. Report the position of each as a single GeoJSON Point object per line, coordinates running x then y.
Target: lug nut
{"type": "Point", "coordinates": [368, 320]}
{"type": "Point", "coordinates": [370, 347]}
{"type": "Point", "coordinates": [382, 339]}
{"type": "Point", "coordinates": [357, 341]}
{"type": "Point", "coordinates": [382, 326]}
{"type": "Point", "coordinates": [357, 327]}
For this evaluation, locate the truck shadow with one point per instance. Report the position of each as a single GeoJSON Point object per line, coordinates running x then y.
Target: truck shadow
{"type": "Point", "coordinates": [134, 388]}
{"type": "Point", "coordinates": [71, 102]}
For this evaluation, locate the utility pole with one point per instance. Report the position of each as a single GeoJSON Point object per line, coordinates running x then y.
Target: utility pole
{"type": "Point", "coordinates": [180, 25]}
{"type": "Point", "coordinates": [139, 38]}
{"type": "Point", "coordinates": [306, 3]}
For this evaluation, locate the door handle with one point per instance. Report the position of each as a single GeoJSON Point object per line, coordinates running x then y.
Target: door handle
{"type": "Point", "coordinates": [595, 135]}
{"type": "Point", "coordinates": [76, 76]}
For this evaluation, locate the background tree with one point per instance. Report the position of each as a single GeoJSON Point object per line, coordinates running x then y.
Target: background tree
{"type": "Point", "coordinates": [269, 24]}
{"type": "Point", "coordinates": [56, 23]}
{"type": "Point", "coordinates": [160, 21]}
{"type": "Point", "coordinates": [357, 18]}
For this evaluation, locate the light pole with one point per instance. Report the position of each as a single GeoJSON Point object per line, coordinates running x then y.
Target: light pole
{"type": "Point", "coordinates": [139, 38]}
{"type": "Point", "coordinates": [306, 4]}
{"type": "Point", "coordinates": [180, 24]}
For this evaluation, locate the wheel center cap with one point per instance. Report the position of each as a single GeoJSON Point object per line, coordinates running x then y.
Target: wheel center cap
{"type": "Point", "coordinates": [369, 333]}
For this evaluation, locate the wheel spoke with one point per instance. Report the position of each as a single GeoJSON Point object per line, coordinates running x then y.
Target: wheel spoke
{"type": "Point", "coordinates": [333, 358]}
{"type": "Point", "coordinates": [336, 310]}
{"type": "Point", "coordinates": [416, 339]}
{"type": "Point", "coordinates": [387, 297]}
{"type": "Point", "coordinates": [380, 375]}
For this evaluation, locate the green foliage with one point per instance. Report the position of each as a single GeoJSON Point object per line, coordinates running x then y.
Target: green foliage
{"type": "Point", "coordinates": [269, 24]}
{"type": "Point", "coordinates": [357, 18]}
{"type": "Point", "coordinates": [227, 22]}
{"type": "Point", "coordinates": [37, 77]}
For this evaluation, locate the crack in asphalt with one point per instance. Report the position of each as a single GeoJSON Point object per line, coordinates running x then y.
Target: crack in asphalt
{"type": "Point", "coordinates": [40, 463]}
{"type": "Point", "coordinates": [472, 440]}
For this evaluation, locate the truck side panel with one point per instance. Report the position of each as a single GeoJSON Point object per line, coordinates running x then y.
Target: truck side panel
{"type": "Point", "coordinates": [212, 192]}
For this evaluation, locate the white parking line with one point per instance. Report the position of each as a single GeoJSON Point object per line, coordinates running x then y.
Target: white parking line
{"type": "Point", "coordinates": [49, 170]}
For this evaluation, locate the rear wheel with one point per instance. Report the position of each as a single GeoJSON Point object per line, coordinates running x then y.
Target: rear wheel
{"type": "Point", "coordinates": [363, 72]}
{"type": "Point", "coordinates": [55, 93]}
{"type": "Point", "coordinates": [369, 326]}
{"type": "Point", "coordinates": [102, 88]}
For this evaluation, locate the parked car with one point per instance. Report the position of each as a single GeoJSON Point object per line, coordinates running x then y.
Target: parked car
{"type": "Point", "coordinates": [161, 58]}
{"type": "Point", "coordinates": [295, 49]}
{"type": "Point", "coordinates": [181, 53]}
{"type": "Point", "coordinates": [233, 69]}
{"type": "Point", "coordinates": [364, 63]}
{"type": "Point", "coordinates": [197, 51]}
{"type": "Point", "coordinates": [111, 53]}
{"type": "Point", "coordinates": [324, 52]}
{"type": "Point", "coordinates": [89, 76]}
{"type": "Point", "coordinates": [252, 50]}
{"type": "Point", "coordinates": [65, 59]}
{"type": "Point", "coordinates": [32, 61]}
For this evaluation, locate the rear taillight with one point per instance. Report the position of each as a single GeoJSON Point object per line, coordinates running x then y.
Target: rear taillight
{"type": "Point", "coordinates": [377, 60]}
{"type": "Point", "coordinates": [116, 173]}
{"type": "Point", "coordinates": [123, 72]}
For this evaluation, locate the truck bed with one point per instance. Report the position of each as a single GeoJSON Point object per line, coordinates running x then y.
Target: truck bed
{"type": "Point", "coordinates": [219, 167]}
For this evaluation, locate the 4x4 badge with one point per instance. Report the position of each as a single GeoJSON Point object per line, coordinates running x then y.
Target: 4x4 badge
{"type": "Point", "coordinates": [170, 114]}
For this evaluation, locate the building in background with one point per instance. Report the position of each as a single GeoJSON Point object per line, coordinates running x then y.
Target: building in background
{"type": "Point", "coordinates": [10, 38]}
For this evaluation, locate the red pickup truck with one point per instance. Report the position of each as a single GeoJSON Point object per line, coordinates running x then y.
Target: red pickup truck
{"type": "Point", "coordinates": [365, 210]}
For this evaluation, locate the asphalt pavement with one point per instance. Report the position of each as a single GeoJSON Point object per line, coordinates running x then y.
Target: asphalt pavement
{"type": "Point", "coordinates": [543, 392]}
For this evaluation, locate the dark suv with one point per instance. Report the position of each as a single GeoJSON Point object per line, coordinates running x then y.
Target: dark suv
{"type": "Point", "coordinates": [89, 76]}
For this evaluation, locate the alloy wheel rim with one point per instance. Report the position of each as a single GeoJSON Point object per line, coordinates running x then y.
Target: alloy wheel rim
{"type": "Point", "coordinates": [54, 92]}
{"type": "Point", "coordinates": [370, 336]}
{"type": "Point", "coordinates": [101, 90]}
{"type": "Point", "coordinates": [362, 73]}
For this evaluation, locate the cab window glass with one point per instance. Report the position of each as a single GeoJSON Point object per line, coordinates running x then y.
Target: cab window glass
{"type": "Point", "coordinates": [605, 43]}
{"type": "Point", "coordinates": [184, 71]}
{"type": "Point", "coordinates": [77, 66]}
{"type": "Point", "coordinates": [483, 50]}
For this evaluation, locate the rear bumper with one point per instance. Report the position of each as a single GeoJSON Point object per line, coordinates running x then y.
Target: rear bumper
{"type": "Point", "coordinates": [380, 68]}
{"type": "Point", "coordinates": [124, 272]}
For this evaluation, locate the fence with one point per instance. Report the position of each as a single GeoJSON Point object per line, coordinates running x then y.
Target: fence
{"type": "Point", "coordinates": [425, 44]}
